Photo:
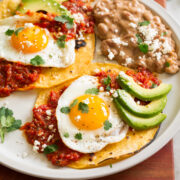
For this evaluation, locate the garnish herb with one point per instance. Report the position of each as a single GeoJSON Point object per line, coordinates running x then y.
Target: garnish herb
{"type": "Point", "coordinates": [167, 64]}
{"type": "Point", "coordinates": [50, 149]}
{"type": "Point", "coordinates": [50, 56]}
{"type": "Point", "coordinates": [163, 33]}
{"type": "Point", "coordinates": [107, 125]}
{"type": "Point", "coordinates": [61, 41]}
{"type": "Point", "coordinates": [9, 32]}
{"type": "Point", "coordinates": [92, 91]}
{"type": "Point", "coordinates": [37, 60]}
{"type": "Point", "coordinates": [83, 107]}
{"type": "Point", "coordinates": [7, 122]}
{"type": "Point", "coordinates": [144, 23]}
{"type": "Point", "coordinates": [153, 85]}
{"type": "Point", "coordinates": [139, 39]}
{"type": "Point", "coordinates": [78, 136]}
{"type": "Point", "coordinates": [143, 48]}
{"type": "Point", "coordinates": [18, 30]}
{"type": "Point", "coordinates": [110, 165]}
{"type": "Point", "coordinates": [65, 110]}
{"type": "Point", "coordinates": [66, 135]}
{"type": "Point", "coordinates": [108, 88]}
{"type": "Point", "coordinates": [107, 80]}
{"type": "Point", "coordinates": [73, 103]}
{"type": "Point", "coordinates": [65, 19]}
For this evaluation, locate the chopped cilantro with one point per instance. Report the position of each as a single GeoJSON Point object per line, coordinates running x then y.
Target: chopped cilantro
{"type": "Point", "coordinates": [9, 32]}
{"type": "Point", "coordinates": [18, 30]}
{"type": "Point", "coordinates": [153, 85]}
{"type": "Point", "coordinates": [65, 110]}
{"type": "Point", "coordinates": [37, 60]}
{"type": "Point", "coordinates": [92, 91]}
{"type": "Point", "coordinates": [50, 149]}
{"type": "Point", "coordinates": [66, 135]}
{"type": "Point", "coordinates": [144, 23]}
{"type": "Point", "coordinates": [143, 48]}
{"type": "Point", "coordinates": [107, 80]}
{"type": "Point", "coordinates": [108, 88]}
{"type": "Point", "coordinates": [83, 107]}
{"type": "Point", "coordinates": [139, 39]}
{"type": "Point", "coordinates": [7, 122]}
{"type": "Point", "coordinates": [163, 33]}
{"type": "Point", "coordinates": [167, 64]}
{"type": "Point", "coordinates": [61, 41]}
{"type": "Point", "coordinates": [78, 136]}
{"type": "Point", "coordinates": [107, 125]}
{"type": "Point", "coordinates": [65, 19]}
{"type": "Point", "coordinates": [110, 165]}
{"type": "Point", "coordinates": [50, 56]}
{"type": "Point", "coordinates": [74, 103]}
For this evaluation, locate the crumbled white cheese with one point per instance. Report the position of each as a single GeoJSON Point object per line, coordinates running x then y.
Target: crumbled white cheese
{"type": "Point", "coordinates": [122, 53]}
{"type": "Point", "coordinates": [115, 95]}
{"type": "Point", "coordinates": [129, 60]}
{"type": "Point", "coordinates": [44, 146]}
{"type": "Point", "coordinates": [166, 47]}
{"type": "Point", "coordinates": [158, 55]}
{"type": "Point", "coordinates": [101, 89]}
{"type": "Point", "coordinates": [78, 117]}
{"type": "Point", "coordinates": [51, 126]}
{"type": "Point", "coordinates": [148, 32]}
{"type": "Point", "coordinates": [78, 17]}
{"type": "Point", "coordinates": [133, 25]}
{"type": "Point", "coordinates": [112, 91]}
{"type": "Point", "coordinates": [118, 41]}
{"type": "Point", "coordinates": [116, 30]}
{"type": "Point", "coordinates": [132, 39]}
{"type": "Point", "coordinates": [50, 137]}
{"type": "Point", "coordinates": [48, 112]}
{"type": "Point", "coordinates": [28, 25]}
{"type": "Point", "coordinates": [36, 146]}
{"type": "Point", "coordinates": [156, 44]}
{"type": "Point", "coordinates": [96, 70]}
{"type": "Point", "coordinates": [107, 94]}
{"type": "Point", "coordinates": [86, 101]}
{"type": "Point", "coordinates": [110, 55]}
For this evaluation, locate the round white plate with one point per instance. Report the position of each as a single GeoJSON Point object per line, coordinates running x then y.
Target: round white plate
{"type": "Point", "coordinates": [17, 154]}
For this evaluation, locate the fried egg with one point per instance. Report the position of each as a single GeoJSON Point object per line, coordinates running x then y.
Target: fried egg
{"type": "Point", "coordinates": [32, 41]}
{"type": "Point", "coordinates": [88, 130]}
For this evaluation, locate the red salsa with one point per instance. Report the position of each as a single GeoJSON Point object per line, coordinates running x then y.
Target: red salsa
{"type": "Point", "coordinates": [15, 75]}
{"type": "Point", "coordinates": [43, 128]}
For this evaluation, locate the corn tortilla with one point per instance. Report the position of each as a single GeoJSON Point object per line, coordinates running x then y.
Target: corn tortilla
{"type": "Point", "coordinates": [134, 141]}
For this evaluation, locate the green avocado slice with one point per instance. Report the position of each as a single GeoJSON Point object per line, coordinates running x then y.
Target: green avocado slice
{"type": "Point", "coordinates": [139, 123]}
{"type": "Point", "coordinates": [51, 6]}
{"type": "Point", "coordinates": [127, 83]}
{"type": "Point", "coordinates": [149, 110]}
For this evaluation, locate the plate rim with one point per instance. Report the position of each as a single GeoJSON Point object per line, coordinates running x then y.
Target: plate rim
{"type": "Point", "coordinates": [127, 163]}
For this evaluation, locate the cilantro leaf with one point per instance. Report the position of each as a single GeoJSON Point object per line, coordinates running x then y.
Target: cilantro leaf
{"type": "Point", "coordinates": [84, 108]}
{"type": "Point", "coordinates": [78, 136]}
{"type": "Point", "coordinates": [65, 110]}
{"type": "Point", "coordinates": [7, 122]}
{"type": "Point", "coordinates": [107, 125]}
{"type": "Point", "coordinates": [37, 60]}
{"type": "Point", "coordinates": [61, 41]}
{"type": "Point", "coordinates": [65, 19]}
{"type": "Point", "coordinates": [9, 32]}
{"type": "Point", "coordinates": [92, 91]}
{"type": "Point", "coordinates": [108, 88]}
{"type": "Point", "coordinates": [74, 103]}
{"type": "Point", "coordinates": [144, 23]}
{"type": "Point", "coordinates": [139, 39]}
{"type": "Point", "coordinates": [163, 33]}
{"type": "Point", "coordinates": [18, 30]}
{"type": "Point", "coordinates": [153, 85]}
{"type": "Point", "coordinates": [50, 149]}
{"type": "Point", "coordinates": [107, 80]}
{"type": "Point", "coordinates": [167, 64]}
{"type": "Point", "coordinates": [66, 135]}
{"type": "Point", "coordinates": [16, 125]}
{"type": "Point", "coordinates": [143, 48]}
{"type": "Point", "coordinates": [110, 165]}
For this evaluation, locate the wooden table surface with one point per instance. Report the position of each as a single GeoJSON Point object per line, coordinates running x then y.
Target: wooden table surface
{"type": "Point", "coordinates": [159, 167]}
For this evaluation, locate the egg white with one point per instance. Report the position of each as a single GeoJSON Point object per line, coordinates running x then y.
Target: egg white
{"type": "Point", "coordinates": [52, 55]}
{"type": "Point", "coordinates": [92, 140]}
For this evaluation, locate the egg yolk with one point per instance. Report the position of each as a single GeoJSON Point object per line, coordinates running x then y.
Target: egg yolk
{"type": "Point", "coordinates": [94, 117]}
{"type": "Point", "coordinates": [30, 40]}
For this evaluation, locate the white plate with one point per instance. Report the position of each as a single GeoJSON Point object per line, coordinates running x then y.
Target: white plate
{"type": "Point", "coordinates": [13, 151]}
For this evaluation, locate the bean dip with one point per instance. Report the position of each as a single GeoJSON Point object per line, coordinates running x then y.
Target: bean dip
{"type": "Point", "coordinates": [132, 35]}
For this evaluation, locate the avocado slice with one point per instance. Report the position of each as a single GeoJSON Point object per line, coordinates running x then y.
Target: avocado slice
{"type": "Point", "coordinates": [127, 83]}
{"type": "Point", "coordinates": [149, 110]}
{"type": "Point", "coordinates": [138, 123]}
{"type": "Point", "coordinates": [51, 6]}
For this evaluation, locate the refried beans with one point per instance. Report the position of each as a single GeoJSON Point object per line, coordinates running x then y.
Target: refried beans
{"type": "Point", "coordinates": [133, 36]}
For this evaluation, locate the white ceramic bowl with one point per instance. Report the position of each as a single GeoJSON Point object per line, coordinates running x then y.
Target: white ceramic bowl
{"type": "Point", "coordinates": [15, 148]}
